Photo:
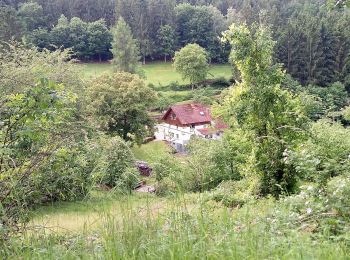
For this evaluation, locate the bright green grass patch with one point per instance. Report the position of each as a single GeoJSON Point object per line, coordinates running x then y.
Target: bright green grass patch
{"type": "Point", "coordinates": [151, 151]}
{"type": "Point", "coordinates": [158, 73]}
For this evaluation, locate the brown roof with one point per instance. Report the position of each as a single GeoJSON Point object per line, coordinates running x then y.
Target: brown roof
{"type": "Point", "coordinates": [206, 131]}
{"type": "Point", "coordinates": [190, 113]}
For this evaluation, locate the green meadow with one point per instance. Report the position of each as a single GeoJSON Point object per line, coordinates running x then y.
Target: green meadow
{"type": "Point", "coordinates": [157, 73]}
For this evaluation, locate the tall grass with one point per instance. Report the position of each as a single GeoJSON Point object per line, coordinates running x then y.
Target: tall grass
{"type": "Point", "coordinates": [183, 227]}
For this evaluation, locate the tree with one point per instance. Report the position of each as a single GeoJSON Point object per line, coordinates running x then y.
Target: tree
{"type": "Point", "coordinates": [37, 161]}
{"type": "Point", "coordinates": [326, 64]}
{"type": "Point", "coordinates": [192, 63]}
{"type": "Point", "coordinates": [166, 41]}
{"type": "Point", "coordinates": [270, 116]}
{"type": "Point", "coordinates": [60, 33]}
{"type": "Point", "coordinates": [99, 40]}
{"type": "Point", "coordinates": [124, 48]}
{"type": "Point", "coordinates": [33, 15]}
{"type": "Point", "coordinates": [12, 26]}
{"type": "Point", "coordinates": [120, 103]}
{"type": "Point", "coordinates": [78, 37]}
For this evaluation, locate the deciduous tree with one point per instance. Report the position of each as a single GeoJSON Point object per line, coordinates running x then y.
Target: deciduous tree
{"type": "Point", "coordinates": [269, 115]}
{"type": "Point", "coordinates": [192, 63]}
{"type": "Point", "coordinates": [120, 103]}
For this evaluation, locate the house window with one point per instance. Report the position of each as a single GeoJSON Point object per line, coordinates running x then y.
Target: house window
{"type": "Point", "coordinates": [173, 117]}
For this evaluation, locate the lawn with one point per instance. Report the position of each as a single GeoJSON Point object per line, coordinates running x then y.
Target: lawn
{"type": "Point", "coordinates": [150, 151]}
{"type": "Point", "coordinates": [158, 72]}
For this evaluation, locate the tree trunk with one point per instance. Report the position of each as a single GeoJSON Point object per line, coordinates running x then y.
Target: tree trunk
{"type": "Point", "coordinates": [165, 59]}
{"type": "Point", "coordinates": [144, 60]}
{"type": "Point", "coordinates": [99, 57]}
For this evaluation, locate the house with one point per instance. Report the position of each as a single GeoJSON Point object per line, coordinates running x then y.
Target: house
{"type": "Point", "coordinates": [181, 122]}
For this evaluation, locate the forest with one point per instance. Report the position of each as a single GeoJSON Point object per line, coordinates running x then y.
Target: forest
{"type": "Point", "coordinates": [312, 40]}
{"type": "Point", "coordinates": [85, 85]}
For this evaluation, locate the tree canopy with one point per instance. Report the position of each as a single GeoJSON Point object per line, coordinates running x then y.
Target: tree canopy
{"type": "Point", "coordinates": [192, 63]}
{"type": "Point", "coordinates": [120, 103]}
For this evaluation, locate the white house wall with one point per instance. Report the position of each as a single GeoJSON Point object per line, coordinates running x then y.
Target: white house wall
{"type": "Point", "coordinates": [180, 135]}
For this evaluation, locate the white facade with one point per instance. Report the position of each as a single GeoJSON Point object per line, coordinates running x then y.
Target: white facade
{"type": "Point", "coordinates": [179, 136]}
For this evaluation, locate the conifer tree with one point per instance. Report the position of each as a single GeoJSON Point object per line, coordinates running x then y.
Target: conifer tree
{"type": "Point", "coordinates": [326, 65]}
{"type": "Point", "coordinates": [124, 48]}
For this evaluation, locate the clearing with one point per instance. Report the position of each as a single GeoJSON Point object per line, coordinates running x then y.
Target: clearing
{"type": "Point", "coordinates": [158, 73]}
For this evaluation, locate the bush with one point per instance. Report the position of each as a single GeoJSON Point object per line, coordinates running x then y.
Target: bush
{"type": "Point", "coordinates": [236, 193]}
{"type": "Point", "coordinates": [115, 164]}
{"type": "Point", "coordinates": [325, 154]}
{"type": "Point", "coordinates": [40, 159]}
{"type": "Point", "coordinates": [324, 212]}
{"type": "Point", "coordinates": [66, 177]}
{"type": "Point", "coordinates": [168, 171]}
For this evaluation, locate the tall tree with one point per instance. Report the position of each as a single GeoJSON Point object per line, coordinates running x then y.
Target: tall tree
{"type": "Point", "coordinates": [120, 102]}
{"type": "Point", "coordinates": [99, 40]}
{"type": "Point", "coordinates": [261, 109]}
{"type": "Point", "coordinates": [124, 48]}
{"type": "Point", "coordinates": [326, 64]}
{"type": "Point", "coordinates": [166, 41]}
{"type": "Point", "coordinates": [136, 15]}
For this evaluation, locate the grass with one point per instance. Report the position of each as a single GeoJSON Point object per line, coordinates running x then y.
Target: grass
{"type": "Point", "coordinates": [161, 74]}
{"type": "Point", "coordinates": [186, 226]}
{"type": "Point", "coordinates": [150, 152]}
{"type": "Point", "coordinates": [158, 73]}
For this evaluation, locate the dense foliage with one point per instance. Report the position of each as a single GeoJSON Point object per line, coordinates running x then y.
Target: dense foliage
{"type": "Point", "coordinates": [284, 158]}
{"type": "Point", "coordinates": [120, 103]}
{"type": "Point", "coordinates": [114, 164]}
{"type": "Point", "coordinates": [35, 167]}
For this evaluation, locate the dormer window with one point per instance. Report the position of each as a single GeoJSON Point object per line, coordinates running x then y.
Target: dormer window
{"type": "Point", "coordinates": [201, 113]}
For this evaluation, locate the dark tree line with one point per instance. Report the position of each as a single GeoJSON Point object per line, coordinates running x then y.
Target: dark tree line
{"type": "Point", "coordinates": [313, 39]}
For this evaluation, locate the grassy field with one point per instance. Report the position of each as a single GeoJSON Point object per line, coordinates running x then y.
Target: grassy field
{"type": "Point", "coordinates": [157, 73]}
{"type": "Point", "coordinates": [186, 226]}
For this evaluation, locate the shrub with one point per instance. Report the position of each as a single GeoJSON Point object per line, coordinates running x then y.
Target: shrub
{"type": "Point", "coordinates": [66, 176]}
{"type": "Point", "coordinates": [115, 163]}
{"type": "Point", "coordinates": [325, 154]}
{"type": "Point", "coordinates": [236, 193]}
{"type": "Point", "coordinates": [39, 158]}
{"type": "Point", "coordinates": [323, 212]}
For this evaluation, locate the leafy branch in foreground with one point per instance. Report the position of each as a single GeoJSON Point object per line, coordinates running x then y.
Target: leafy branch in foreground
{"type": "Point", "coordinates": [34, 131]}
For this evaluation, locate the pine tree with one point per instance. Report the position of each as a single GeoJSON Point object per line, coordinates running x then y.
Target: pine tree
{"type": "Point", "coordinates": [326, 64]}
{"type": "Point", "coordinates": [124, 48]}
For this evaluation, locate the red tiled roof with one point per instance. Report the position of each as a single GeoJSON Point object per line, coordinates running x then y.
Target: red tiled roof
{"type": "Point", "coordinates": [206, 131]}
{"type": "Point", "coordinates": [219, 124]}
{"type": "Point", "coordinates": [190, 113]}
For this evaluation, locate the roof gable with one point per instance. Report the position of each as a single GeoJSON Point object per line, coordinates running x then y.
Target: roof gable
{"type": "Point", "coordinates": [187, 114]}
